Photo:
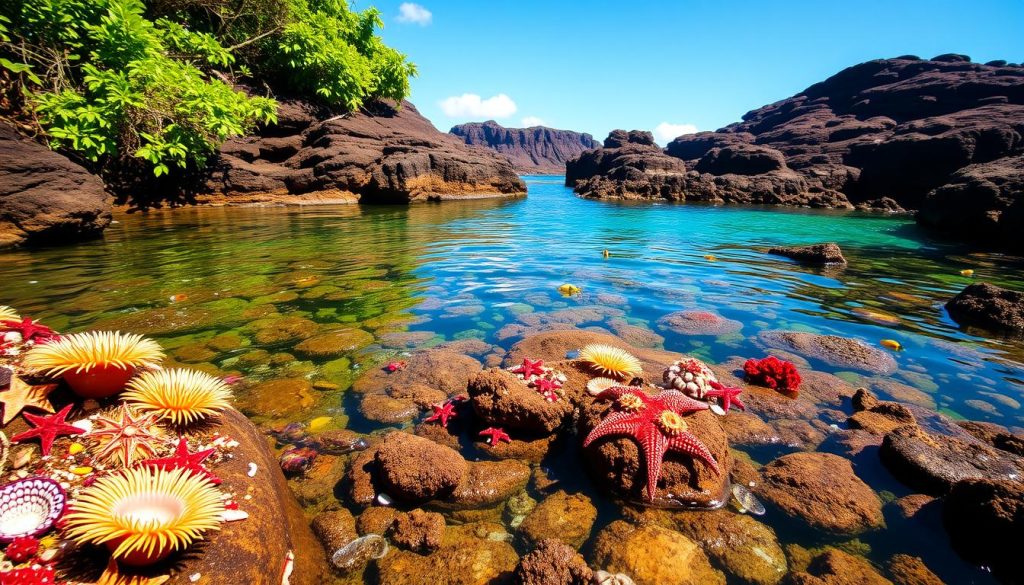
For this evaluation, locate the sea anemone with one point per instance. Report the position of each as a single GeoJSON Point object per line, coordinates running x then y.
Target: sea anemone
{"type": "Point", "coordinates": [8, 314]}
{"type": "Point", "coordinates": [144, 514]}
{"type": "Point", "coordinates": [125, 436]}
{"type": "Point", "coordinates": [610, 361]}
{"type": "Point", "coordinates": [774, 373]}
{"type": "Point", "coordinates": [179, 396]}
{"type": "Point", "coordinates": [96, 364]}
{"type": "Point", "coordinates": [29, 507]}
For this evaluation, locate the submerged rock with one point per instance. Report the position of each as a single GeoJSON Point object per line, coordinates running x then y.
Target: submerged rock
{"type": "Point", "coordinates": [440, 369]}
{"type": "Point", "coordinates": [985, 522]}
{"type": "Point", "coordinates": [690, 322]}
{"type": "Point", "coordinates": [835, 567]}
{"type": "Point", "coordinates": [829, 253]}
{"type": "Point", "coordinates": [414, 469]}
{"type": "Point", "coordinates": [465, 561]}
{"type": "Point", "coordinates": [908, 570]}
{"type": "Point", "coordinates": [418, 531]}
{"type": "Point", "coordinates": [562, 516]}
{"type": "Point", "coordinates": [653, 555]}
{"type": "Point", "coordinates": [989, 307]}
{"type": "Point", "coordinates": [552, 562]}
{"type": "Point", "coordinates": [822, 490]}
{"type": "Point", "coordinates": [840, 352]}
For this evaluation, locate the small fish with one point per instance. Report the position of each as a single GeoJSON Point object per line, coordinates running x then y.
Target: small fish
{"type": "Point", "coordinates": [178, 298]}
{"type": "Point", "coordinates": [891, 344]}
{"type": "Point", "coordinates": [968, 272]}
{"type": "Point", "coordinates": [569, 289]}
{"type": "Point", "coordinates": [715, 408]}
{"type": "Point", "coordinates": [746, 500]}
{"type": "Point", "coordinates": [710, 258]}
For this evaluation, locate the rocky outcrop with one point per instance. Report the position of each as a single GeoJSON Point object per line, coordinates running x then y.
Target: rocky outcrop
{"type": "Point", "coordinates": [45, 197]}
{"type": "Point", "coordinates": [828, 253]}
{"type": "Point", "coordinates": [537, 149]}
{"type": "Point", "coordinates": [944, 136]}
{"type": "Point", "coordinates": [380, 154]}
{"type": "Point", "coordinates": [989, 307]}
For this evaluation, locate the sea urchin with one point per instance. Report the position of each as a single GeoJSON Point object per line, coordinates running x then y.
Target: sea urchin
{"type": "Point", "coordinates": [95, 364]}
{"type": "Point", "coordinates": [144, 514]}
{"type": "Point", "coordinates": [179, 396]}
{"type": "Point", "coordinates": [610, 361]}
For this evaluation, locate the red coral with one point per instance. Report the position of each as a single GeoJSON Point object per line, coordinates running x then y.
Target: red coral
{"type": "Point", "coordinates": [22, 549]}
{"type": "Point", "coordinates": [34, 575]}
{"type": "Point", "coordinates": [774, 373]}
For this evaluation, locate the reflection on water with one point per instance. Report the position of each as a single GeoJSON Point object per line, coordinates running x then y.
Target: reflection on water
{"type": "Point", "coordinates": [238, 290]}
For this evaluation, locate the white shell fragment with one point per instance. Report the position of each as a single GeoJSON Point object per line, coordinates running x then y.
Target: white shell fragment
{"type": "Point", "coordinates": [233, 515]}
{"type": "Point", "coordinates": [359, 552]}
{"type": "Point", "coordinates": [252, 470]}
{"type": "Point", "coordinates": [599, 385]}
{"type": "Point", "coordinates": [747, 501]}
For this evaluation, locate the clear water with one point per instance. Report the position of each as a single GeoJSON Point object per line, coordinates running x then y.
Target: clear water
{"type": "Point", "coordinates": [473, 270]}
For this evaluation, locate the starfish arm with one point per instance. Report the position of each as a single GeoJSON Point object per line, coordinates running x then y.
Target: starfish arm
{"type": "Point", "coordinates": [691, 445]}
{"type": "Point", "coordinates": [681, 403]}
{"type": "Point", "coordinates": [653, 444]}
{"type": "Point", "coordinates": [617, 423]}
{"type": "Point", "coordinates": [615, 392]}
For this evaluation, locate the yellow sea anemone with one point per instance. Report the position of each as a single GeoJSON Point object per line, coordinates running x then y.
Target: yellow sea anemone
{"type": "Point", "coordinates": [8, 314]}
{"type": "Point", "coordinates": [179, 396]}
{"type": "Point", "coordinates": [144, 514]}
{"type": "Point", "coordinates": [95, 364]}
{"type": "Point", "coordinates": [610, 361]}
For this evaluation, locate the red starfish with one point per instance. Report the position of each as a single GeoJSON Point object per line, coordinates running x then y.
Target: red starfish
{"type": "Point", "coordinates": [547, 388]}
{"type": "Point", "coordinates": [442, 412]}
{"type": "Point", "coordinates": [29, 329]}
{"type": "Point", "coordinates": [182, 459]}
{"type": "Point", "coordinates": [726, 396]}
{"type": "Point", "coordinates": [529, 368]}
{"type": "Point", "coordinates": [47, 428]}
{"type": "Point", "coordinates": [495, 436]}
{"type": "Point", "coordinates": [656, 424]}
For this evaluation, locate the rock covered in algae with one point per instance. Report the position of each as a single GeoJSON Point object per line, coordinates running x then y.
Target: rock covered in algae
{"type": "Point", "coordinates": [691, 322]}
{"type": "Point", "coordinates": [822, 490]}
{"type": "Point", "coordinates": [653, 555]}
{"type": "Point", "coordinates": [489, 483]}
{"type": "Point", "coordinates": [440, 369]}
{"type": "Point", "coordinates": [286, 398]}
{"type": "Point", "coordinates": [618, 466]}
{"type": "Point", "coordinates": [469, 556]}
{"type": "Point", "coordinates": [335, 343]}
{"type": "Point", "coordinates": [385, 409]}
{"type": "Point", "coordinates": [376, 520]}
{"type": "Point", "coordinates": [562, 516]}
{"type": "Point", "coordinates": [418, 531]}
{"type": "Point", "coordinates": [909, 570]}
{"type": "Point", "coordinates": [552, 562]}
{"type": "Point", "coordinates": [334, 528]}
{"type": "Point", "coordinates": [840, 352]}
{"type": "Point", "coordinates": [415, 469]}
{"type": "Point", "coordinates": [827, 253]}
{"type": "Point", "coordinates": [835, 567]}
{"type": "Point", "coordinates": [503, 400]}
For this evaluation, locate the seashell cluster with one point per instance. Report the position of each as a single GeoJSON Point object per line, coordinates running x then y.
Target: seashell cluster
{"type": "Point", "coordinates": [691, 377]}
{"type": "Point", "coordinates": [29, 507]}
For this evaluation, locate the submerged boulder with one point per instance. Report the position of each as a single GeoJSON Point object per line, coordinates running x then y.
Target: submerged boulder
{"type": "Point", "coordinates": [840, 352]}
{"type": "Point", "coordinates": [651, 554]}
{"type": "Point", "coordinates": [414, 469]}
{"type": "Point", "coordinates": [989, 307]}
{"type": "Point", "coordinates": [829, 253]}
{"type": "Point", "coordinates": [45, 198]}
{"type": "Point", "coordinates": [823, 491]}
{"type": "Point", "coordinates": [552, 562]}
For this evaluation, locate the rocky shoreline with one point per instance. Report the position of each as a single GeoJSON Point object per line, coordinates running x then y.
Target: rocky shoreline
{"type": "Point", "coordinates": [942, 137]}
{"type": "Point", "coordinates": [536, 150]}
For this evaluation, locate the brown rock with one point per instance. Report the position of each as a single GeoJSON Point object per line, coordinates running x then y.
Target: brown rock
{"type": "Point", "coordinates": [281, 398]}
{"type": "Point", "coordinates": [562, 516]}
{"type": "Point", "coordinates": [376, 520]}
{"type": "Point", "coordinates": [835, 567]}
{"type": "Point", "coordinates": [415, 469]}
{"type": "Point", "coordinates": [822, 490]}
{"type": "Point", "coordinates": [335, 343]}
{"type": "Point", "coordinates": [284, 329]}
{"type": "Point", "coordinates": [502, 400]}
{"type": "Point", "coordinates": [385, 409]}
{"type": "Point", "coordinates": [534, 150]}
{"type": "Point", "coordinates": [418, 531]}
{"type": "Point", "coordinates": [989, 307]}
{"type": "Point", "coordinates": [489, 483]}
{"type": "Point", "coordinates": [996, 435]}
{"type": "Point", "coordinates": [829, 253]}
{"type": "Point", "coordinates": [440, 369]}
{"type": "Point", "coordinates": [334, 528]}
{"type": "Point", "coordinates": [690, 322]}
{"type": "Point", "coordinates": [909, 506]}
{"type": "Point", "coordinates": [552, 562]}
{"type": "Point", "coordinates": [908, 570]}
{"type": "Point", "coordinates": [653, 555]}
{"type": "Point", "coordinates": [44, 197]}
{"type": "Point", "coordinates": [470, 562]}
{"type": "Point", "coordinates": [837, 351]}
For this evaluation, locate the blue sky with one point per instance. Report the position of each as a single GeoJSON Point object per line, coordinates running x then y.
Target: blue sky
{"type": "Point", "coordinates": [595, 65]}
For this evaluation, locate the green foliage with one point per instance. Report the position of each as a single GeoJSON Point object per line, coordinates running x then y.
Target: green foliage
{"type": "Point", "coordinates": [117, 80]}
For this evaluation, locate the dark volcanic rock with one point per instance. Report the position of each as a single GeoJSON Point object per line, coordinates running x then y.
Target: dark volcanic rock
{"type": "Point", "coordinates": [985, 522]}
{"type": "Point", "coordinates": [379, 154]}
{"type": "Point", "coordinates": [987, 306]}
{"type": "Point", "coordinates": [44, 197]}
{"type": "Point", "coordinates": [945, 136]}
{"type": "Point", "coordinates": [828, 253]}
{"type": "Point", "coordinates": [537, 149]}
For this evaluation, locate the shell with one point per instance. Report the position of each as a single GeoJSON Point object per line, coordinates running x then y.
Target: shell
{"type": "Point", "coordinates": [746, 500]}
{"type": "Point", "coordinates": [606, 578]}
{"type": "Point", "coordinates": [360, 551]}
{"type": "Point", "coordinates": [29, 507]}
{"type": "Point", "coordinates": [599, 385]}
{"type": "Point", "coordinates": [691, 377]}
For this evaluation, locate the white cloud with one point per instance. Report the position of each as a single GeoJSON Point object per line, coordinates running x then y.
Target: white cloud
{"type": "Point", "coordinates": [665, 132]}
{"type": "Point", "coordinates": [471, 105]}
{"type": "Point", "coordinates": [412, 13]}
{"type": "Point", "coordinates": [532, 121]}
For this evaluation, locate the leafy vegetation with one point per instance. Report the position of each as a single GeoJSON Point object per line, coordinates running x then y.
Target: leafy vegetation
{"type": "Point", "coordinates": [116, 81]}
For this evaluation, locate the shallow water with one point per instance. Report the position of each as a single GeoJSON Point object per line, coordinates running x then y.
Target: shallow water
{"type": "Point", "coordinates": [421, 275]}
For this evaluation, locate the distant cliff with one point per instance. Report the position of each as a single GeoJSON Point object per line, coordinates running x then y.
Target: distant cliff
{"type": "Point", "coordinates": [532, 150]}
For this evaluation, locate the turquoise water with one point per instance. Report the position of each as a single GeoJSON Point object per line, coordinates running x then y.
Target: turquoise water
{"type": "Point", "coordinates": [426, 274]}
